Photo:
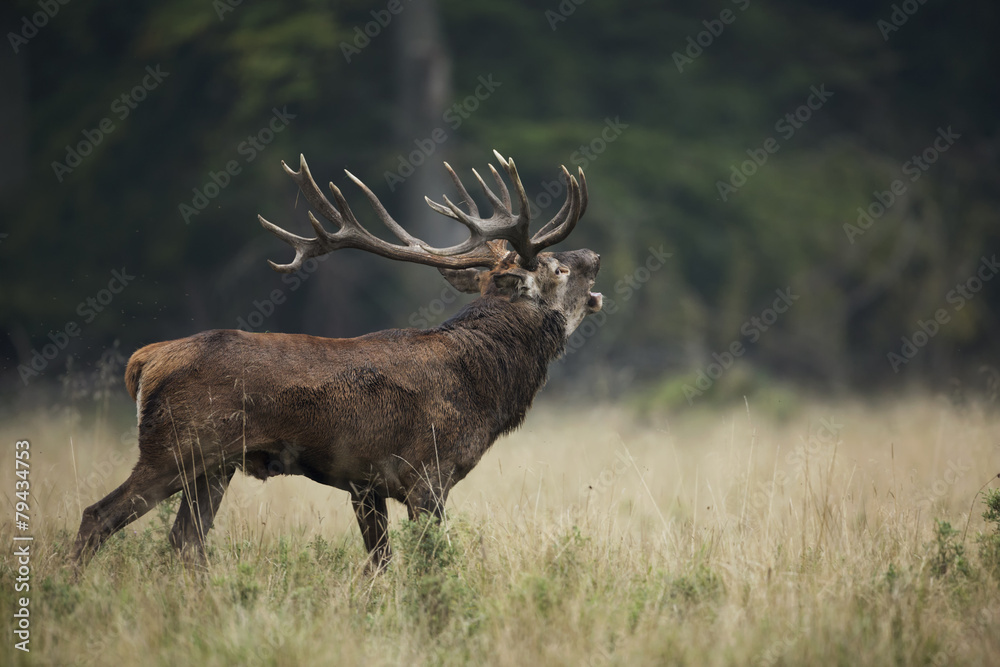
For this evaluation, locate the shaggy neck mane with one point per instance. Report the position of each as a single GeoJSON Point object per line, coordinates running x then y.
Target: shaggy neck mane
{"type": "Point", "coordinates": [502, 354]}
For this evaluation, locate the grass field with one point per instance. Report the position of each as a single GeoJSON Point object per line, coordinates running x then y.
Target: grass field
{"type": "Point", "coordinates": [715, 536]}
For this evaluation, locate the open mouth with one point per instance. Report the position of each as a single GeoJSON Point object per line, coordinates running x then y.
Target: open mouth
{"type": "Point", "coordinates": [595, 301]}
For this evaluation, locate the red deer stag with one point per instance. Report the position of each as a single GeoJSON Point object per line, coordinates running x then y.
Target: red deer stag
{"type": "Point", "coordinates": [401, 414]}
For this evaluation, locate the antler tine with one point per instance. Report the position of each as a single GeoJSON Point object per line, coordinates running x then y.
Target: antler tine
{"type": "Point", "coordinates": [345, 209]}
{"type": "Point", "coordinates": [451, 210]}
{"type": "Point", "coordinates": [498, 206]}
{"type": "Point", "coordinates": [562, 226]}
{"type": "Point", "coordinates": [564, 222]}
{"type": "Point", "coordinates": [383, 214]}
{"type": "Point", "coordinates": [522, 196]}
{"type": "Point", "coordinates": [561, 216]}
{"type": "Point", "coordinates": [303, 178]}
{"type": "Point", "coordinates": [473, 209]}
{"type": "Point", "coordinates": [522, 243]}
{"type": "Point", "coordinates": [504, 192]}
{"type": "Point", "coordinates": [299, 244]}
{"type": "Point", "coordinates": [306, 248]}
{"type": "Point", "coordinates": [499, 247]}
{"type": "Point", "coordinates": [476, 237]}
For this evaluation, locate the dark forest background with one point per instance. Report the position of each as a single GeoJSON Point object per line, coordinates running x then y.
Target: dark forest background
{"type": "Point", "coordinates": [659, 102]}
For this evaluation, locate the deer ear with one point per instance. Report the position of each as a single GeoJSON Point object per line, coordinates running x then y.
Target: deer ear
{"type": "Point", "coordinates": [465, 280]}
{"type": "Point", "coordinates": [514, 282]}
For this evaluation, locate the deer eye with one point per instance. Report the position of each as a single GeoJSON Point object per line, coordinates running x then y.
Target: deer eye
{"type": "Point", "coordinates": [562, 271]}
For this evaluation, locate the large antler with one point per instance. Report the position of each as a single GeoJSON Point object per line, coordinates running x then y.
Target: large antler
{"type": "Point", "coordinates": [483, 248]}
{"type": "Point", "coordinates": [503, 224]}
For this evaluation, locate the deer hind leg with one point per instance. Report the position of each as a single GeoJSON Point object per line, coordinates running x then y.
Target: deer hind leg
{"type": "Point", "coordinates": [373, 519]}
{"type": "Point", "coordinates": [147, 486]}
{"type": "Point", "coordinates": [200, 502]}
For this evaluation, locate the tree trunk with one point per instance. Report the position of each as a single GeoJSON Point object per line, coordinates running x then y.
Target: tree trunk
{"type": "Point", "coordinates": [423, 71]}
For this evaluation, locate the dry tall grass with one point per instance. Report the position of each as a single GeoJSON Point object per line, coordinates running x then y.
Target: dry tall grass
{"type": "Point", "coordinates": [708, 538]}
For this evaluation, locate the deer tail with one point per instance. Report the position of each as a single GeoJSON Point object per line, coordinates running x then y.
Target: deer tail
{"type": "Point", "coordinates": [133, 371]}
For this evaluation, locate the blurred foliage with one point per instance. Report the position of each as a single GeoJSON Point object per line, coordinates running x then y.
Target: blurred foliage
{"type": "Point", "coordinates": [989, 542]}
{"type": "Point", "coordinates": [232, 65]}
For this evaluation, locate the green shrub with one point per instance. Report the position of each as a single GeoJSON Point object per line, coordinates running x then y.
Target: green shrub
{"type": "Point", "coordinates": [428, 564]}
{"type": "Point", "coordinates": [948, 557]}
{"type": "Point", "coordinates": [989, 542]}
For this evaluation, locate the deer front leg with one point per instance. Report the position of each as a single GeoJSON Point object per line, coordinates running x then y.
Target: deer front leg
{"type": "Point", "coordinates": [373, 519]}
{"type": "Point", "coordinates": [428, 497]}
